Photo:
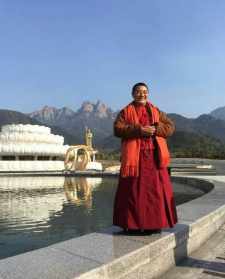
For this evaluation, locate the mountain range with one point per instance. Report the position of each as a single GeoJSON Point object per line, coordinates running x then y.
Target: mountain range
{"type": "Point", "coordinates": [207, 129]}
{"type": "Point", "coordinates": [99, 118]}
{"type": "Point", "coordinates": [96, 116]}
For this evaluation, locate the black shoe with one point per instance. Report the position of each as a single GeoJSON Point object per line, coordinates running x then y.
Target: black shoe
{"type": "Point", "coordinates": [155, 231]}
{"type": "Point", "coordinates": [131, 231]}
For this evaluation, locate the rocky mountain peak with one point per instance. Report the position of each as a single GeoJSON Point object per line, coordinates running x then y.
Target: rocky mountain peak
{"type": "Point", "coordinates": [219, 113]}
{"type": "Point", "coordinates": [88, 110]}
{"type": "Point", "coordinates": [101, 109]}
{"type": "Point", "coordinates": [45, 115]}
{"type": "Point", "coordinates": [98, 109]}
{"type": "Point", "coordinates": [49, 115]}
{"type": "Point", "coordinates": [86, 107]}
{"type": "Point", "coordinates": [48, 108]}
{"type": "Point", "coordinates": [67, 111]}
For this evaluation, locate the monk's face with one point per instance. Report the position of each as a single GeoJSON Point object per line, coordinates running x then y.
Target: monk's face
{"type": "Point", "coordinates": [140, 95]}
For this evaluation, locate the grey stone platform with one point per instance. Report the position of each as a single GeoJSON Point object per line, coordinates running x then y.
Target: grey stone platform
{"type": "Point", "coordinates": [112, 254]}
{"type": "Point", "coordinates": [208, 262]}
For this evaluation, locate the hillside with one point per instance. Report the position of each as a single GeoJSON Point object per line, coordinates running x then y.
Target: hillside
{"type": "Point", "coordinates": [218, 113]}
{"type": "Point", "coordinates": [203, 136]}
{"type": "Point", "coordinates": [15, 117]}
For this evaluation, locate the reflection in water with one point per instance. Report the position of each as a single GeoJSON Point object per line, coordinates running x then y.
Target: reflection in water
{"type": "Point", "coordinates": [79, 190]}
{"type": "Point", "coordinates": [29, 200]}
{"type": "Point", "coordinates": [35, 199]}
{"type": "Point", "coordinates": [15, 183]}
{"type": "Point", "coordinates": [38, 211]}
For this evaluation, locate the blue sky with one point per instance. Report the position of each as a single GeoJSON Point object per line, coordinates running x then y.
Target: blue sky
{"type": "Point", "coordinates": [61, 53]}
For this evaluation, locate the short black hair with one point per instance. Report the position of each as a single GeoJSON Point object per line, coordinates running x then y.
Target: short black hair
{"type": "Point", "coordinates": [138, 84]}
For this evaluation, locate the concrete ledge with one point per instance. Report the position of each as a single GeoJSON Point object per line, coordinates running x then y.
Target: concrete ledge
{"type": "Point", "coordinates": [174, 169]}
{"type": "Point", "coordinates": [111, 254]}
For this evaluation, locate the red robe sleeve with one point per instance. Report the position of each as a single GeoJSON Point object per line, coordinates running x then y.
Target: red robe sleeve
{"type": "Point", "coordinates": [125, 130]}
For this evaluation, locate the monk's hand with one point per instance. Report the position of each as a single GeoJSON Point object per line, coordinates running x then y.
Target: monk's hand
{"type": "Point", "coordinates": [148, 131]}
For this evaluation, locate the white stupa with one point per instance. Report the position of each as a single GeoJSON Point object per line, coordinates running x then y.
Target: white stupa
{"type": "Point", "coordinates": [31, 148]}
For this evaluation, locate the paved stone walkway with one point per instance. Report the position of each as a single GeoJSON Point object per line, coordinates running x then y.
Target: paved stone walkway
{"type": "Point", "coordinates": [208, 262]}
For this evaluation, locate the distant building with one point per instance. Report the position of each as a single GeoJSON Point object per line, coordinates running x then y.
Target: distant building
{"type": "Point", "coordinates": [31, 148]}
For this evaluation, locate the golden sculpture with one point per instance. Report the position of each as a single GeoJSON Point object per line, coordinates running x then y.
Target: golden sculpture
{"type": "Point", "coordinates": [78, 156]}
{"type": "Point", "coordinates": [88, 137]}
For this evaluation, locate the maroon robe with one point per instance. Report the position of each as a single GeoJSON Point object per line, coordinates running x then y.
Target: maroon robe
{"type": "Point", "coordinates": [147, 201]}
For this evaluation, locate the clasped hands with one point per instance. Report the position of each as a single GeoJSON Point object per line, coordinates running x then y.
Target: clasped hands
{"type": "Point", "coordinates": [148, 131]}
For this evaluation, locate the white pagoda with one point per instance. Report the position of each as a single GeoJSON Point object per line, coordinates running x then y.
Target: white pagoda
{"type": "Point", "coordinates": [31, 148]}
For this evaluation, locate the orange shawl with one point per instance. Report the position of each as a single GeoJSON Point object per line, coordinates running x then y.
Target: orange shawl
{"type": "Point", "coordinates": [131, 147]}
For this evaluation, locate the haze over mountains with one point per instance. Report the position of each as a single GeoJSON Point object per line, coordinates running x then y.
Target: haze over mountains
{"type": "Point", "coordinates": [207, 129]}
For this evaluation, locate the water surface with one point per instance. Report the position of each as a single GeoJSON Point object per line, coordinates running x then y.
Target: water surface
{"type": "Point", "coordinates": [39, 211]}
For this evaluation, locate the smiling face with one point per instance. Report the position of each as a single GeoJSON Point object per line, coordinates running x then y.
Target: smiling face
{"type": "Point", "coordinates": [140, 94]}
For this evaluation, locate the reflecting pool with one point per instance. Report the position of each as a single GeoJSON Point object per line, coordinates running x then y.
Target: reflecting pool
{"type": "Point", "coordinates": [39, 211]}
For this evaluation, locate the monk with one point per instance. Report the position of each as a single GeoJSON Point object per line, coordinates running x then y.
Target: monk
{"type": "Point", "coordinates": [144, 199]}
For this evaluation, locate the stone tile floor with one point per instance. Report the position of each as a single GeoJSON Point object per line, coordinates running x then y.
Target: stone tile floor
{"type": "Point", "coordinates": [208, 262]}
